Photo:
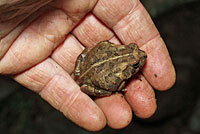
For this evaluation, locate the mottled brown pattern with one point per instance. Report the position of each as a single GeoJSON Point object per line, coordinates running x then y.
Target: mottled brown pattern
{"type": "Point", "coordinates": [105, 68]}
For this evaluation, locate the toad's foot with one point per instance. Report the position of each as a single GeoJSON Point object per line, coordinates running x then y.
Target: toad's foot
{"type": "Point", "coordinates": [94, 91]}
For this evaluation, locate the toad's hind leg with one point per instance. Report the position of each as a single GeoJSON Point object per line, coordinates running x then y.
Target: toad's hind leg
{"type": "Point", "coordinates": [94, 91]}
{"type": "Point", "coordinates": [122, 86]}
{"type": "Point", "coordinates": [80, 61]}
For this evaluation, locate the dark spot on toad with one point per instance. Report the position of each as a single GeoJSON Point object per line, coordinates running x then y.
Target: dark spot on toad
{"type": "Point", "coordinates": [156, 75]}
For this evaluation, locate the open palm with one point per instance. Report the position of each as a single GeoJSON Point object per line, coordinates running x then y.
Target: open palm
{"type": "Point", "coordinates": [42, 56]}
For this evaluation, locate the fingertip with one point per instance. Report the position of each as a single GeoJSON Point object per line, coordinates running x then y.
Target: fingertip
{"type": "Point", "coordinates": [116, 110]}
{"type": "Point", "coordinates": [141, 97]}
{"type": "Point", "coordinates": [85, 113]}
{"type": "Point", "coordinates": [167, 82]}
{"type": "Point", "coordinates": [159, 69]}
{"type": "Point", "coordinates": [97, 122]}
{"type": "Point", "coordinates": [147, 111]}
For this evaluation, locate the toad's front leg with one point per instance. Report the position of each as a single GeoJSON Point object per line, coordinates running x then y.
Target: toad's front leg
{"type": "Point", "coordinates": [80, 61]}
{"type": "Point", "coordinates": [94, 91]}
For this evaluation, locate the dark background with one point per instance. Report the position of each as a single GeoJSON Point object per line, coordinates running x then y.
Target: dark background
{"type": "Point", "coordinates": [24, 112]}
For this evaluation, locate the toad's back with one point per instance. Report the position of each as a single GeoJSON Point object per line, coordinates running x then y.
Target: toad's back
{"type": "Point", "coordinates": [105, 53]}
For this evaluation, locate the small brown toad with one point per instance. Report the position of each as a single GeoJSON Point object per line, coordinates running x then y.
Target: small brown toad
{"type": "Point", "coordinates": [105, 68]}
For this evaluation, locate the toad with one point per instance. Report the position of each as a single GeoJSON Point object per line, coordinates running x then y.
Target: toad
{"type": "Point", "coordinates": [105, 68]}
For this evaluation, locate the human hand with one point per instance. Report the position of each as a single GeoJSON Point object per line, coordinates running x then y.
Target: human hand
{"type": "Point", "coordinates": [42, 58]}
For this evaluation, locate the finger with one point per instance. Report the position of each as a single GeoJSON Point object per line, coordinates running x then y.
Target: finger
{"type": "Point", "coordinates": [116, 109]}
{"type": "Point", "coordinates": [59, 89]}
{"type": "Point", "coordinates": [141, 97]}
{"type": "Point", "coordinates": [38, 40]}
{"type": "Point", "coordinates": [91, 31]}
{"type": "Point", "coordinates": [130, 21]}
{"type": "Point", "coordinates": [158, 70]}
{"type": "Point", "coordinates": [66, 54]}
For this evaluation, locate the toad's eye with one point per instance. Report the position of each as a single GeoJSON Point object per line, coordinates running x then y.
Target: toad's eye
{"type": "Point", "coordinates": [136, 65]}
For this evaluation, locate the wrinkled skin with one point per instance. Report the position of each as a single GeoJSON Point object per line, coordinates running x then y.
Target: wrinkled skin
{"type": "Point", "coordinates": [106, 67]}
{"type": "Point", "coordinates": [40, 53]}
